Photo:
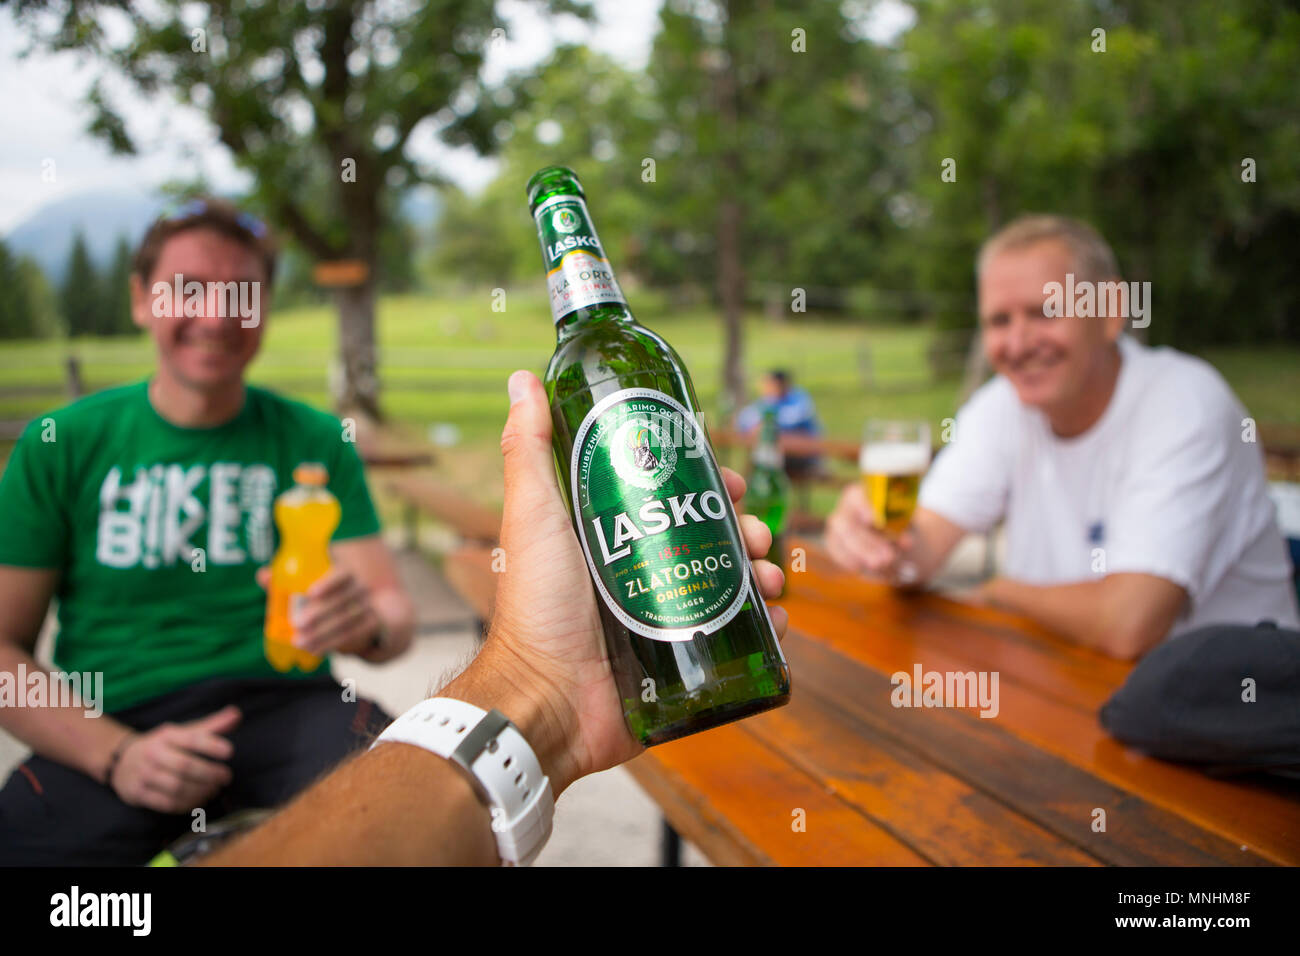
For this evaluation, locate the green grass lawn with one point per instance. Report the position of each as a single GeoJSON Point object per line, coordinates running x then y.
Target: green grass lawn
{"type": "Point", "coordinates": [445, 360]}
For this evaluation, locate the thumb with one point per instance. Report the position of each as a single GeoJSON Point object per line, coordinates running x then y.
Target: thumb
{"type": "Point", "coordinates": [526, 448]}
{"type": "Point", "coordinates": [221, 721]}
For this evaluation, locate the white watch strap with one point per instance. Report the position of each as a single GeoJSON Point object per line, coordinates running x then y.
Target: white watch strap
{"type": "Point", "coordinates": [498, 759]}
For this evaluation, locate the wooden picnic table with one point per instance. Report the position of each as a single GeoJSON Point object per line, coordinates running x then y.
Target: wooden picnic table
{"type": "Point", "coordinates": [386, 451]}
{"type": "Point", "coordinates": [880, 785]}
{"type": "Point", "coordinates": [792, 443]}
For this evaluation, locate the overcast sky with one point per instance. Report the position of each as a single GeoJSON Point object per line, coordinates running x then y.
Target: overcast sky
{"type": "Point", "coordinates": [41, 116]}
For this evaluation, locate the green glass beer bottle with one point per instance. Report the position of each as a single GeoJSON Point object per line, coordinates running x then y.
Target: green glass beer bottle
{"type": "Point", "coordinates": [690, 641]}
{"type": "Point", "coordinates": [768, 493]}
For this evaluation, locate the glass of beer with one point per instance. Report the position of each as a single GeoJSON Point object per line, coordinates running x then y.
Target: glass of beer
{"type": "Point", "coordinates": [894, 456]}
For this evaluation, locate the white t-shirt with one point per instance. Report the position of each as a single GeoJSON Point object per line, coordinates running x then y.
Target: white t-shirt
{"type": "Point", "coordinates": [1162, 484]}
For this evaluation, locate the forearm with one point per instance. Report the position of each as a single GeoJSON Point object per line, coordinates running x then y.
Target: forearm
{"type": "Point", "coordinates": [1068, 609]}
{"type": "Point", "coordinates": [400, 804]}
{"type": "Point", "coordinates": [931, 539]}
{"type": "Point", "coordinates": [1117, 615]}
{"type": "Point", "coordinates": [396, 614]}
{"type": "Point", "coordinates": [397, 805]}
{"type": "Point", "coordinates": [924, 561]}
{"type": "Point", "coordinates": [68, 734]}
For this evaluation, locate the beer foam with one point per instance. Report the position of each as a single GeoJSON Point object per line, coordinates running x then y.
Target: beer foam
{"type": "Point", "coordinates": [894, 458]}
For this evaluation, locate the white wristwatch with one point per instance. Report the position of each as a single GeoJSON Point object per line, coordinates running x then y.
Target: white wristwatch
{"type": "Point", "coordinates": [502, 768]}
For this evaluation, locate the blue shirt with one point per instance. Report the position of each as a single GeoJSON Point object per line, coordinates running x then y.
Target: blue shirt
{"type": "Point", "coordinates": [795, 412]}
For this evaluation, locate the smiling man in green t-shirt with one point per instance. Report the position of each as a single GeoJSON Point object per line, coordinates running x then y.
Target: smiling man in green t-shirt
{"type": "Point", "coordinates": [145, 511]}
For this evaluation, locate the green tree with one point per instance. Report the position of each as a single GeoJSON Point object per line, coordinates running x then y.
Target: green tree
{"type": "Point", "coordinates": [299, 92]}
{"type": "Point", "coordinates": [18, 312]}
{"type": "Point", "coordinates": [41, 297]}
{"type": "Point", "coordinates": [774, 152]}
{"type": "Point", "coordinates": [1146, 139]}
{"type": "Point", "coordinates": [117, 291]}
{"type": "Point", "coordinates": [81, 299]}
{"type": "Point", "coordinates": [580, 109]}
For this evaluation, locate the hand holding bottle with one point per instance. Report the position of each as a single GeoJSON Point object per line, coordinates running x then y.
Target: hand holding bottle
{"type": "Point", "coordinates": [335, 614]}
{"type": "Point", "coordinates": [546, 634]}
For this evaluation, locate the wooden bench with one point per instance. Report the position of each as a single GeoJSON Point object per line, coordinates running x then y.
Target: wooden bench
{"type": "Point", "coordinates": [423, 494]}
{"type": "Point", "coordinates": [390, 447]}
{"type": "Point", "coordinates": [802, 446]}
{"type": "Point", "coordinates": [468, 567]}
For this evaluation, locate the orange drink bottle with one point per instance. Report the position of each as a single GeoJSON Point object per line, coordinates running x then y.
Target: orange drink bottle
{"type": "Point", "coordinates": [306, 515]}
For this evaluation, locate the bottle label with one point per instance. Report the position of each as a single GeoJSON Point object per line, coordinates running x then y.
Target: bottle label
{"type": "Point", "coordinates": [654, 517]}
{"type": "Point", "coordinates": [578, 273]}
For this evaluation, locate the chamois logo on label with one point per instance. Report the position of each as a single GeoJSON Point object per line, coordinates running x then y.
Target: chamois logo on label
{"type": "Point", "coordinates": [642, 452]}
{"type": "Point", "coordinates": [565, 221]}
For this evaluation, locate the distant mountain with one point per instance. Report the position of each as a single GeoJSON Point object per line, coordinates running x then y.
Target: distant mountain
{"type": "Point", "coordinates": [102, 216]}
{"type": "Point", "coordinates": [47, 234]}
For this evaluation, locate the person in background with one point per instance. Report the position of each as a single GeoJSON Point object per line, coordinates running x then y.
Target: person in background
{"type": "Point", "coordinates": [795, 414]}
{"type": "Point", "coordinates": [1135, 508]}
{"type": "Point", "coordinates": [146, 510]}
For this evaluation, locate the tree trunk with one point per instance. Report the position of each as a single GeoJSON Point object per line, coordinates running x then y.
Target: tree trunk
{"type": "Point", "coordinates": [731, 293]}
{"type": "Point", "coordinates": [360, 394]}
{"type": "Point", "coordinates": [731, 274]}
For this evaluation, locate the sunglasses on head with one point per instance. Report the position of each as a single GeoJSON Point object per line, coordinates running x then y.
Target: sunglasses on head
{"type": "Point", "coordinates": [197, 207]}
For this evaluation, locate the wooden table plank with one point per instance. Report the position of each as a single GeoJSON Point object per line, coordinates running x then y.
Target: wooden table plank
{"type": "Point", "coordinates": [1244, 812]}
{"type": "Point", "coordinates": [984, 639]}
{"type": "Point", "coordinates": [939, 815]}
{"type": "Point", "coordinates": [735, 798]}
{"type": "Point", "coordinates": [881, 784]}
{"type": "Point", "coordinates": [470, 519]}
{"type": "Point", "coordinates": [1035, 782]}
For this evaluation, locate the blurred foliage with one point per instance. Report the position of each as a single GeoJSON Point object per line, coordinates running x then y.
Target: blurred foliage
{"type": "Point", "coordinates": [816, 153]}
{"type": "Point", "coordinates": [117, 291]}
{"type": "Point", "coordinates": [93, 301]}
{"type": "Point", "coordinates": [316, 100]}
{"type": "Point", "coordinates": [581, 110]}
{"type": "Point", "coordinates": [841, 150]}
{"type": "Point", "coordinates": [20, 305]}
{"type": "Point", "coordinates": [80, 299]}
{"type": "Point", "coordinates": [834, 155]}
{"type": "Point", "coordinates": [810, 124]}
{"type": "Point", "coordinates": [1146, 140]}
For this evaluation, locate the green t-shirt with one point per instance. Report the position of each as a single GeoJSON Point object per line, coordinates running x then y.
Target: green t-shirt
{"type": "Point", "coordinates": [158, 531]}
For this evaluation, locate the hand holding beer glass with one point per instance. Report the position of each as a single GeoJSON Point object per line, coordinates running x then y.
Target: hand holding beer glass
{"type": "Point", "coordinates": [894, 456]}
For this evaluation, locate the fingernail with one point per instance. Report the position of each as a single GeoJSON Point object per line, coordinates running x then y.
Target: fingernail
{"type": "Point", "coordinates": [515, 386]}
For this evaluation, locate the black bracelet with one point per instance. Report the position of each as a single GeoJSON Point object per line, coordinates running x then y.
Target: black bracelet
{"type": "Point", "coordinates": [115, 757]}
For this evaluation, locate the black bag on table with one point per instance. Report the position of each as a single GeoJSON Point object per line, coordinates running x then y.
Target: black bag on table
{"type": "Point", "coordinates": [1188, 700]}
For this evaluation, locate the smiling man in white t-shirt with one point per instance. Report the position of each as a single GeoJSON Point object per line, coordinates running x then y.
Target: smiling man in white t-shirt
{"type": "Point", "coordinates": [1133, 495]}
